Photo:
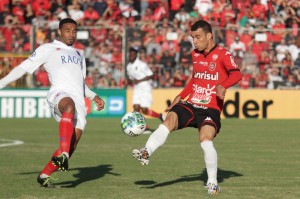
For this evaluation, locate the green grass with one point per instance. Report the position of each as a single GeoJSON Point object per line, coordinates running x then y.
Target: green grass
{"type": "Point", "coordinates": [257, 159]}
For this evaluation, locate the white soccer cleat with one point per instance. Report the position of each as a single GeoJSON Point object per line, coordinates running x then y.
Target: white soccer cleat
{"type": "Point", "coordinates": [212, 188]}
{"type": "Point", "coordinates": [162, 117]}
{"type": "Point", "coordinates": [141, 155]}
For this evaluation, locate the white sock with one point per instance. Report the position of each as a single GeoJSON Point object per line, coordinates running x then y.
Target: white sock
{"type": "Point", "coordinates": [211, 160]}
{"type": "Point", "coordinates": [66, 154]}
{"type": "Point", "coordinates": [157, 138]}
{"type": "Point", "coordinates": [44, 175]}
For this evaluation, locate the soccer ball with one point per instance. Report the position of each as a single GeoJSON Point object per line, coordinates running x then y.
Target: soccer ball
{"type": "Point", "coordinates": [133, 124]}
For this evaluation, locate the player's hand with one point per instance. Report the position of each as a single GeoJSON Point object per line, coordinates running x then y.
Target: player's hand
{"type": "Point", "coordinates": [175, 101]}
{"type": "Point", "coordinates": [220, 91]}
{"type": "Point", "coordinates": [99, 103]}
{"type": "Point", "coordinates": [136, 81]}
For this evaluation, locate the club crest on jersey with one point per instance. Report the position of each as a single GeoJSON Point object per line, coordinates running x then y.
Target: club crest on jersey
{"type": "Point", "coordinates": [212, 66]}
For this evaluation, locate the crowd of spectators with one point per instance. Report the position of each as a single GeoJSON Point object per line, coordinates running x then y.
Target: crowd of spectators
{"type": "Point", "coordinates": [263, 36]}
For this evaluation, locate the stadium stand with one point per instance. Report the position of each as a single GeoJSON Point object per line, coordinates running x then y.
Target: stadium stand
{"type": "Point", "coordinates": [263, 36]}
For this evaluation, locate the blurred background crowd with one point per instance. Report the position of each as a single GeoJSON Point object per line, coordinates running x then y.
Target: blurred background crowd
{"type": "Point", "coordinates": [263, 36]}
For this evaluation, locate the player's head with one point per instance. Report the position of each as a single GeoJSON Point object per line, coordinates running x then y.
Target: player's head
{"type": "Point", "coordinates": [67, 31]}
{"type": "Point", "coordinates": [201, 33]}
{"type": "Point", "coordinates": [133, 52]}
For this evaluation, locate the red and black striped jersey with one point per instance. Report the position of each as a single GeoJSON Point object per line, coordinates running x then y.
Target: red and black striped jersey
{"type": "Point", "coordinates": [209, 70]}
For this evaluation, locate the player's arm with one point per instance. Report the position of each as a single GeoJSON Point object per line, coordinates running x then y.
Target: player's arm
{"type": "Point", "coordinates": [94, 97]}
{"type": "Point", "coordinates": [146, 71]}
{"type": "Point", "coordinates": [136, 81]}
{"type": "Point", "coordinates": [14, 75]}
{"type": "Point", "coordinates": [28, 66]}
{"type": "Point", "coordinates": [234, 75]}
{"type": "Point", "coordinates": [88, 92]}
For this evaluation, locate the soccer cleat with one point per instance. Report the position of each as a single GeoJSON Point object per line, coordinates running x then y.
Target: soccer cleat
{"type": "Point", "coordinates": [162, 117]}
{"type": "Point", "coordinates": [212, 188]}
{"type": "Point", "coordinates": [46, 182]}
{"type": "Point", "coordinates": [141, 155]}
{"type": "Point", "coordinates": [61, 161]}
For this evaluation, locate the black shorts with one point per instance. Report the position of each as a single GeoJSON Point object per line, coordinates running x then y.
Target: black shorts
{"type": "Point", "coordinates": [189, 116]}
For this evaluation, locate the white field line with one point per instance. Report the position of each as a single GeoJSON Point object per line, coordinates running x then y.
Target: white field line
{"type": "Point", "coordinates": [10, 142]}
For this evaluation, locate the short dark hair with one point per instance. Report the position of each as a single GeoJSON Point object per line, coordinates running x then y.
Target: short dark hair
{"type": "Point", "coordinates": [66, 20]}
{"type": "Point", "coordinates": [202, 24]}
{"type": "Point", "coordinates": [134, 49]}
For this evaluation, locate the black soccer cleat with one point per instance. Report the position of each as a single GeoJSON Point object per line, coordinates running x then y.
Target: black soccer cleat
{"type": "Point", "coordinates": [61, 161]}
{"type": "Point", "coordinates": [46, 182]}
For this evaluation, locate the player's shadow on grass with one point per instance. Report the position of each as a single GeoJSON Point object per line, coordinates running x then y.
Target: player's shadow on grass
{"type": "Point", "coordinates": [86, 174]}
{"type": "Point", "coordinates": [222, 175]}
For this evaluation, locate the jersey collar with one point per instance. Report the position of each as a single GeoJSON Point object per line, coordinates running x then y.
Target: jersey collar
{"type": "Point", "coordinates": [206, 54]}
{"type": "Point", "coordinates": [60, 43]}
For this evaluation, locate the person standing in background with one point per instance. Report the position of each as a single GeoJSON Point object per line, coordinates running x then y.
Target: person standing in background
{"type": "Point", "coordinates": [140, 75]}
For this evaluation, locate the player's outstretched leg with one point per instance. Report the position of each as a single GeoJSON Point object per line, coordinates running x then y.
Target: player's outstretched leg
{"type": "Point", "coordinates": [141, 155]}
{"type": "Point", "coordinates": [156, 139]}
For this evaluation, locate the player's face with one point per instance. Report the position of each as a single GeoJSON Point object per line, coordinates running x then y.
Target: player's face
{"type": "Point", "coordinates": [68, 33]}
{"type": "Point", "coordinates": [132, 56]}
{"type": "Point", "coordinates": [200, 39]}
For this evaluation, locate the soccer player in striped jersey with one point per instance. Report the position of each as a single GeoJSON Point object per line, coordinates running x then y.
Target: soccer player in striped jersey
{"type": "Point", "coordinates": [214, 71]}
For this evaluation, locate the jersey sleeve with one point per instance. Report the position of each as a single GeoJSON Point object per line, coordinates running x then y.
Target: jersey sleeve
{"type": "Point", "coordinates": [232, 70]}
{"type": "Point", "coordinates": [187, 89]}
{"type": "Point", "coordinates": [148, 71]}
{"type": "Point", "coordinates": [37, 58]}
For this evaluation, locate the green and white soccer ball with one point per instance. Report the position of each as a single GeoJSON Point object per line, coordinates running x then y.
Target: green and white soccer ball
{"type": "Point", "coordinates": [133, 124]}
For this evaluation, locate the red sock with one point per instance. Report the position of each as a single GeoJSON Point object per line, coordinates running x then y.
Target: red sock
{"type": "Point", "coordinates": [66, 131]}
{"type": "Point", "coordinates": [50, 168]}
{"type": "Point", "coordinates": [153, 113]}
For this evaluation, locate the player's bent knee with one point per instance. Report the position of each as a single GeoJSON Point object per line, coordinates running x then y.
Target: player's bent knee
{"type": "Point", "coordinates": [171, 121]}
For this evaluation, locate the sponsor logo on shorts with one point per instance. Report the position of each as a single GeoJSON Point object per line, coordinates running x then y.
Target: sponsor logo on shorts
{"type": "Point", "coordinates": [208, 119]}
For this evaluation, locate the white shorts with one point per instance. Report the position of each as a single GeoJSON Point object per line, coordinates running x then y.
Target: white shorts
{"type": "Point", "coordinates": [142, 97]}
{"type": "Point", "coordinates": [53, 99]}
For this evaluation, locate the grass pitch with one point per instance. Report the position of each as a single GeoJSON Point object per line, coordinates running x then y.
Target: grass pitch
{"type": "Point", "coordinates": [257, 159]}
